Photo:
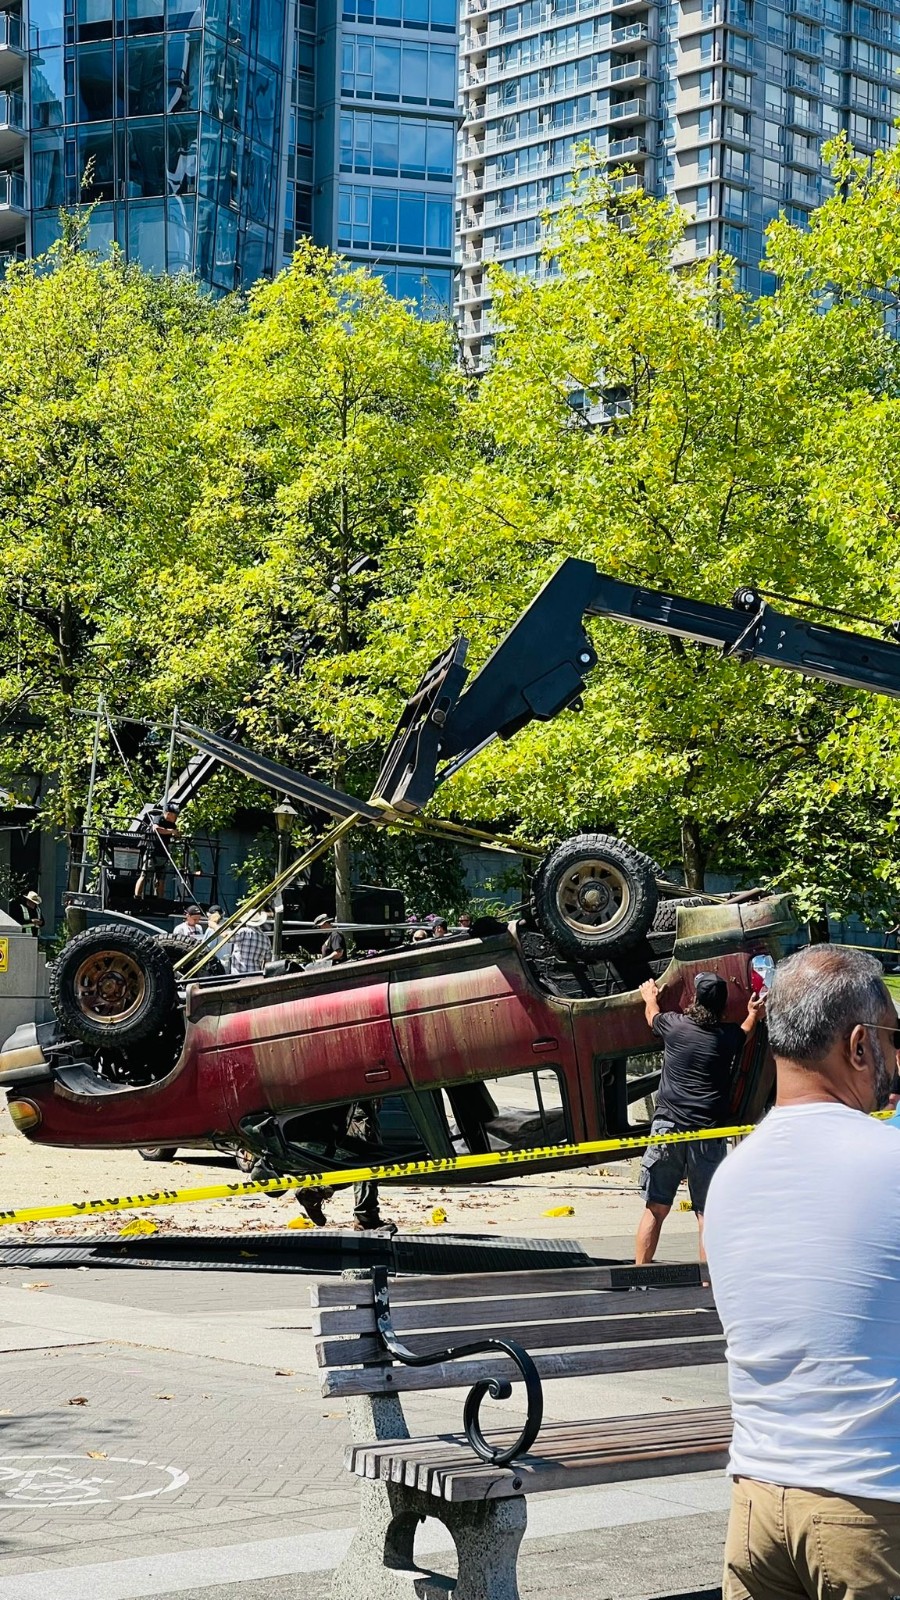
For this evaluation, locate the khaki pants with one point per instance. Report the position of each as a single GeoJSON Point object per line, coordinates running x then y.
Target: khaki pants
{"type": "Point", "coordinates": [806, 1544]}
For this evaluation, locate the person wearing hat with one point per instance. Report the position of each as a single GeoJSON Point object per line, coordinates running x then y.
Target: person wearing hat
{"type": "Point", "coordinates": [335, 947]}
{"type": "Point", "coordinates": [160, 831]}
{"type": "Point", "coordinates": [699, 1052]}
{"type": "Point", "coordinates": [29, 912]}
{"type": "Point", "coordinates": [191, 929]}
{"type": "Point", "coordinates": [251, 947]}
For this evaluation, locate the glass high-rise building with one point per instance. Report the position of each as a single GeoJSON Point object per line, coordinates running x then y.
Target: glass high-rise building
{"type": "Point", "coordinates": [721, 104]}
{"type": "Point", "coordinates": [211, 134]}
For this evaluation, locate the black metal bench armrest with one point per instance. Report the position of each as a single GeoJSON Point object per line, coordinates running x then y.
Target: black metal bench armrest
{"type": "Point", "coordinates": [497, 1388]}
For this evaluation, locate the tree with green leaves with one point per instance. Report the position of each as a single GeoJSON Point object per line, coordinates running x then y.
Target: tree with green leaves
{"type": "Point", "coordinates": [100, 381]}
{"type": "Point", "coordinates": [756, 445]}
{"type": "Point", "coordinates": [330, 408]}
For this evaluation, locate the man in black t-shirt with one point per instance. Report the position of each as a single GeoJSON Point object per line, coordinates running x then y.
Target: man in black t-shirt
{"type": "Point", "coordinates": [700, 1050]}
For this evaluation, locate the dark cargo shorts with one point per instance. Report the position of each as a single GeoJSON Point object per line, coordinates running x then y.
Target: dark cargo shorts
{"type": "Point", "coordinates": [665, 1165]}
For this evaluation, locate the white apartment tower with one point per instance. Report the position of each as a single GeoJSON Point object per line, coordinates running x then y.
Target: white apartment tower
{"type": "Point", "coordinates": [722, 104]}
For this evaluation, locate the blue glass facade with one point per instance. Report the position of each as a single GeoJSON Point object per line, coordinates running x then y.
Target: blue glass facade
{"type": "Point", "coordinates": [385, 152]}
{"type": "Point", "coordinates": [211, 135]}
{"type": "Point", "coordinates": [168, 116]}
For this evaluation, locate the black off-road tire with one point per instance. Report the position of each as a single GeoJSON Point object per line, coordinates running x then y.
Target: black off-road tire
{"type": "Point", "coordinates": [667, 912]}
{"type": "Point", "coordinates": [112, 987]}
{"type": "Point", "coordinates": [158, 1152]}
{"type": "Point", "coordinates": [176, 948]}
{"type": "Point", "coordinates": [594, 895]}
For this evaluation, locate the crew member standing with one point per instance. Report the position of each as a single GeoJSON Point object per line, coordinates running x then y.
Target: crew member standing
{"type": "Point", "coordinates": [334, 949]}
{"type": "Point", "coordinates": [700, 1050]}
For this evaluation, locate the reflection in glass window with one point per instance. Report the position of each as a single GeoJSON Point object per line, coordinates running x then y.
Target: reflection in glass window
{"type": "Point", "coordinates": [254, 250]}
{"type": "Point", "coordinates": [441, 76]}
{"type": "Point", "coordinates": [391, 219]}
{"type": "Point", "coordinates": [45, 23]}
{"type": "Point", "coordinates": [261, 107]}
{"type": "Point", "coordinates": [412, 148]}
{"type": "Point", "coordinates": [146, 77]}
{"type": "Point", "coordinates": [47, 89]}
{"type": "Point", "coordinates": [385, 146]}
{"type": "Point", "coordinates": [95, 157]}
{"type": "Point", "coordinates": [145, 16]}
{"type": "Point", "coordinates": [101, 231]}
{"type": "Point", "coordinates": [47, 178]}
{"type": "Point", "coordinates": [45, 230]}
{"type": "Point", "coordinates": [183, 72]}
{"type": "Point", "coordinates": [184, 14]}
{"type": "Point", "coordinates": [147, 234]}
{"type": "Point", "coordinates": [95, 82]}
{"type": "Point", "coordinates": [180, 235]}
{"type": "Point", "coordinates": [95, 19]}
{"type": "Point", "coordinates": [270, 33]}
{"type": "Point", "coordinates": [387, 71]}
{"type": "Point", "coordinates": [260, 172]}
{"type": "Point", "coordinates": [145, 158]}
{"type": "Point", "coordinates": [225, 262]}
{"type": "Point", "coordinates": [181, 163]}
{"type": "Point", "coordinates": [415, 73]}
{"type": "Point", "coordinates": [441, 150]}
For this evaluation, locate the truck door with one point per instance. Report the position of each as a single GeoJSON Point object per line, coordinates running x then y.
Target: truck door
{"type": "Point", "coordinates": [468, 1016]}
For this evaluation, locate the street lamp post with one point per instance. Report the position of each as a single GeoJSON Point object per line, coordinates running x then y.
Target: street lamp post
{"type": "Point", "coordinates": [284, 818]}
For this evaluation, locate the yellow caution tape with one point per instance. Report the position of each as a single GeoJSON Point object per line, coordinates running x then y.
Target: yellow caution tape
{"type": "Point", "coordinates": [389, 1172]}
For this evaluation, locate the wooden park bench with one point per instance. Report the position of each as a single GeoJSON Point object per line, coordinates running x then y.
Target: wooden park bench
{"type": "Point", "coordinates": [576, 1322]}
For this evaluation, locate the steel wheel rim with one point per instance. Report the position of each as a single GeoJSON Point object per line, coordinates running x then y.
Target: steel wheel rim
{"type": "Point", "coordinates": [593, 898]}
{"type": "Point", "coordinates": [109, 987]}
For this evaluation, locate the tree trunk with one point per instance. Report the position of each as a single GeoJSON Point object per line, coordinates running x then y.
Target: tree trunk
{"type": "Point", "coordinates": [819, 931]}
{"type": "Point", "coordinates": [693, 855]}
{"type": "Point", "coordinates": [342, 879]}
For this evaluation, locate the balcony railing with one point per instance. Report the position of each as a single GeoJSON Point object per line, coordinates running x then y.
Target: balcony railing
{"type": "Point", "coordinates": [12, 190]}
{"type": "Point", "coordinates": [10, 31]}
{"type": "Point", "coordinates": [619, 149]}
{"type": "Point", "coordinates": [627, 71]}
{"type": "Point", "coordinates": [629, 32]}
{"type": "Point", "coordinates": [627, 108]}
{"type": "Point", "coordinates": [12, 111]}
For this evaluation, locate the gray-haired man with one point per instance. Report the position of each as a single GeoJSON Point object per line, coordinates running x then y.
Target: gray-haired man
{"type": "Point", "coordinates": [803, 1239]}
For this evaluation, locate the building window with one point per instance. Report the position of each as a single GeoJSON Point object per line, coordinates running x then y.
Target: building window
{"type": "Point", "coordinates": [394, 220]}
{"type": "Point", "coordinates": [734, 203]}
{"type": "Point", "coordinates": [737, 87]}
{"type": "Point", "coordinates": [707, 85]}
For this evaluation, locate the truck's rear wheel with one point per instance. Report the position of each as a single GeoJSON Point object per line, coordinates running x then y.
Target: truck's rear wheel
{"type": "Point", "coordinates": [593, 895]}
{"type": "Point", "coordinates": [112, 987]}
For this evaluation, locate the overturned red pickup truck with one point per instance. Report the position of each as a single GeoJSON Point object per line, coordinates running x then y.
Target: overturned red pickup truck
{"type": "Point", "coordinates": [472, 1045]}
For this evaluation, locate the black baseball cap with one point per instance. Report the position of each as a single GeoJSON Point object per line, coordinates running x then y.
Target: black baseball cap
{"type": "Point", "coordinates": [711, 991]}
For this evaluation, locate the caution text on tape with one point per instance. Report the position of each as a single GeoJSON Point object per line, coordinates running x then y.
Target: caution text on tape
{"type": "Point", "coordinates": [389, 1172]}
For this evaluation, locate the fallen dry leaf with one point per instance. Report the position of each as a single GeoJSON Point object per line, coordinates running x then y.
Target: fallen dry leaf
{"type": "Point", "coordinates": [35, 1286]}
{"type": "Point", "coordinates": [77, 1400]}
{"type": "Point", "coordinates": [284, 1372]}
{"type": "Point", "coordinates": [164, 1397]}
{"type": "Point", "coordinates": [98, 1455]}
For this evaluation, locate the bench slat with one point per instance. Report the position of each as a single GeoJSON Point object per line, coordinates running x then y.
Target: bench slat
{"type": "Point", "coordinates": [462, 1374]}
{"type": "Point", "coordinates": [470, 1286]}
{"type": "Point", "coordinates": [332, 1353]}
{"type": "Point", "coordinates": [565, 1455]}
{"type": "Point", "coordinates": [409, 1461]}
{"type": "Point", "coordinates": [503, 1309]}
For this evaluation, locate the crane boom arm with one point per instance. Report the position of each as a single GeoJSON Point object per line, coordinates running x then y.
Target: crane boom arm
{"type": "Point", "coordinates": [540, 667]}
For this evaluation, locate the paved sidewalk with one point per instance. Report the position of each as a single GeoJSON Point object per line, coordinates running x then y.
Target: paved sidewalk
{"type": "Point", "coordinates": [163, 1435]}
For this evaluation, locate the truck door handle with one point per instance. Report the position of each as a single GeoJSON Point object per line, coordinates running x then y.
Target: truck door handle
{"type": "Point", "coordinates": [541, 1045]}
{"type": "Point", "coordinates": [378, 1074]}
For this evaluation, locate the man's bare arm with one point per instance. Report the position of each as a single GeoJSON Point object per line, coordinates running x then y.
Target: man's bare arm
{"type": "Point", "coordinates": [756, 1008]}
{"type": "Point", "coordinates": [650, 996]}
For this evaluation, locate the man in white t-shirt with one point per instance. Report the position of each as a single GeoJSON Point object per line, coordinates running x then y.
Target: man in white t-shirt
{"type": "Point", "coordinates": [803, 1239]}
